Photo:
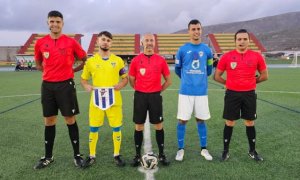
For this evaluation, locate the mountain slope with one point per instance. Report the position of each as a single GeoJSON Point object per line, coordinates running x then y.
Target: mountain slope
{"type": "Point", "coordinates": [280, 32]}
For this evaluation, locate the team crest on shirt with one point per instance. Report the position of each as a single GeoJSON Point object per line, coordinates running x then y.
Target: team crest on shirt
{"type": "Point", "coordinates": [201, 53]}
{"type": "Point", "coordinates": [196, 64]}
{"type": "Point", "coordinates": [233, 65]}
{"type": "Point", "coordinates": [142, 71]}
{"type": "Point", "coordinates": [46, 55]}
{"type": "Point", "coordinates": [113, 64]}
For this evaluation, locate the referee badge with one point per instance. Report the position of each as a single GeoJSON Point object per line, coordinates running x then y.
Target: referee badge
{"type": "Point", "coordinates": [233, 65]}
{"type": "Point", "coordinates": [46, 55]}
{"type": "Point", "coordinates": [142, 71]}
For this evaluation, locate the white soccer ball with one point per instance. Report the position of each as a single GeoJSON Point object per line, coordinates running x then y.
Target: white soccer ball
{"type": "Point", "coordinates": [149, 161]}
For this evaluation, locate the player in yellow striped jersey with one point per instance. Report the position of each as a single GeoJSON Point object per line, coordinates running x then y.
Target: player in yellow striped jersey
{"type": "Point", "coordinates": [105, 70]}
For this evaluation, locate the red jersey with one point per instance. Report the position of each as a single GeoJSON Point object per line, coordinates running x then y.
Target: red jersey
{"type": "Point", "coordinates": [147, 71]}
{"type": "Point", "coordinates": [241, 69]}
{"type": "Point", "coordinates": [58, 56]}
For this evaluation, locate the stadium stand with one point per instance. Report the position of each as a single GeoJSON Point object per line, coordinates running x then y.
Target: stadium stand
{"type": "Point", "coordinates": [224, 42]}
{"type": "Point", "coordinates": [168, 44]}
{"type": "Point", "coordinates": [128, 45]}
{"type": "Point", "coordinates": [123, 44]}
{"type": "Point", "coordinates": [26, 52]}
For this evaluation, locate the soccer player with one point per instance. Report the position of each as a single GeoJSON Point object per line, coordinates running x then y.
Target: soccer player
{"type": "Point", "coordinates": [241, 66]}
{"type": "Point", "coordinates": [105, 70]}
{"type": "Point", "coordinates": [54, 55]}
{"type": "Point", "coordinates": [193, 65]}
{"type": "Point", "coordinates": [145, 74]}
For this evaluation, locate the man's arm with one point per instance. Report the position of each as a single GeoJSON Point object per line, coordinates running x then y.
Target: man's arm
{"type": "Point", "coordinates": [218, 76]}
{"type": "Point", "coordinates": [167, 82]}
{"type": "Point", "coordinates": [86, 85]}
{"type": "Point", "coordinates": [121, 84]}
{"type": "Point", "coordinates": [132, 81]}
{"type": "Point", "coordinates": [263, 76]}
{"type": "Point", "coordinates": [209, 66]}
{"type": "Point", "coordinates": [178, 71]}
{"type": "Point", "coordinates": [39, 65]}
{"type": "Point", "coordinates": [80, 66]}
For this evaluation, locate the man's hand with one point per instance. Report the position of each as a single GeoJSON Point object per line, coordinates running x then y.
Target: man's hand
{"type": "Point", "coordinates": [88, 87]}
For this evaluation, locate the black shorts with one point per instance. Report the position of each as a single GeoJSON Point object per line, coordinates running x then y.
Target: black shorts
{"type": "Point", "coordinates": [144, 102]}
{"type": "Point", "coordinates": [59, 95]}
{"type": "Point", "coordinates": [239, 105]}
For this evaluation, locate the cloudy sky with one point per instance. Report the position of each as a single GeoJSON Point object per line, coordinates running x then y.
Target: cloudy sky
{"type": "Point", "coordinates": [20, 18]}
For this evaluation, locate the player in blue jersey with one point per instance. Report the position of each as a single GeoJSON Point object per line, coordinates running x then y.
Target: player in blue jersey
{"type": "Point", "coordinates": [193, 65]}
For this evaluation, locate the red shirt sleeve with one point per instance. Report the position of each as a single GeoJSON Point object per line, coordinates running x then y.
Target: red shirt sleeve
{"type": "Point", "coordinates": [261, 63]}
{"type": "Point", "coordinates": [165, 68]}
{"type": "Point", "coordinates": [132, 71]}
{"type": "Point", "coordinates": [79, 52]}
{"type": "Point", "coordinates": [37, 53]}
{"type": "Point", "coordinates": [222, 63]}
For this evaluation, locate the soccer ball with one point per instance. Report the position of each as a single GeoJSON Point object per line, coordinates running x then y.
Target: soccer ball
{"type": "Point", "coordinates": [149, 161]}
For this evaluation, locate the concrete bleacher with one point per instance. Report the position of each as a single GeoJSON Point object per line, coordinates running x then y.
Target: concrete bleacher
{"type": "Point", "coordinates": [123, 45]}
{"type": "Point", "coordinates": [26, 52]}
{"type": "Point", "coordinates": [224, 42]}
{"type": "Point", "coordinates": [128, 45]}
{"type": "Point", "coordinates": [168, 44]}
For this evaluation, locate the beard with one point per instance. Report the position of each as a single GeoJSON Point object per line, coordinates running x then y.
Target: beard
{"type": "Point", "coordinates": [149, 47]}
{"type": "Point", "coordinates": [104, 49]}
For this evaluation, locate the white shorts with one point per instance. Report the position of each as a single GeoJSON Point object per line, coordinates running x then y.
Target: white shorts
{"type": "Point", "coordinates": [188, 104]}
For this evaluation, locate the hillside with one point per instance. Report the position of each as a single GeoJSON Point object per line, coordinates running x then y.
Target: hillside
{"type": "Point", "coordinates": [280, 32]}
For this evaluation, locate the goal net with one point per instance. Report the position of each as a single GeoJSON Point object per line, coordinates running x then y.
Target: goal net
{"type": "Point", "coordinates": [295, 62]}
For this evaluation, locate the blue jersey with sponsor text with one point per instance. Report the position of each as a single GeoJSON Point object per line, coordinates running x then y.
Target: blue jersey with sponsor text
{"type": "Point", "coordinates": [192, 61]}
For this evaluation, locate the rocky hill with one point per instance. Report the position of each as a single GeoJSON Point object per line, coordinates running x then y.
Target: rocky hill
{"type": "Point", "coordinates": [277, 33]}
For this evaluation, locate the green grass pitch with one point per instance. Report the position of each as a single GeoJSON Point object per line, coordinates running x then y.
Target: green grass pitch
{"type": "Point", "coordinates": [277, 127]}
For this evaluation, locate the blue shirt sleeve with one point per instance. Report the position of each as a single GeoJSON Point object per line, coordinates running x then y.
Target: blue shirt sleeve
{"type": "Point", "coordinates": [209, 61]}
{"type": "Point", "coordinates": [178, 64]}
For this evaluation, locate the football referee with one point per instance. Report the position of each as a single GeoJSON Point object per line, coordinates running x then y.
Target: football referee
{"type": "Point", "coordinates": [146, 70]}
{"type": "Point", "coordinates": [241, 66]}
{"type": "Point", "coordinates": [55, 55]}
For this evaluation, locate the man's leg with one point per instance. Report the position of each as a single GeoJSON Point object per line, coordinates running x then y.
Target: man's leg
{"type": "Point", "coordinates": [93, 139]}
{"type": "Point", "coordinates": [74, 137]}
{"type": "Point", "coordinates": [49, 136]}
{"type": "Point", "coordinates": [202, 132]}
{"type": "Point", "coordinates": [117, 139]}
{"type": "Point", "coordinates": [181, 126]}
{"type": "Point", "coordinates": [160, 140]}
{"type": "Point", "coordinates": [138, 140]}
{"type": "Point", "coordinates": [251, 134]}
{"type": "Point", "coordinates": [227, 133]}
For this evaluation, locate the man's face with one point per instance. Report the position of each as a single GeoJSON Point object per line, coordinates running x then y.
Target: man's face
{"type": "Point", "coordinates": [195, 31]}
{"type": "Point", "coordinates": [148, 42]}
{"type": "Point", "coordinates": [242, 41]}
{"type": "Point", "coordinates": [104, 43]}
{"type": "Point", "coordinates": [55, 24]}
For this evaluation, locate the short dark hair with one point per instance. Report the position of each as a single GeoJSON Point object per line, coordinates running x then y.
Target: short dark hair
{"type": "Point", "coordinates": [241, 31]}
{"type": "Point", "coordinates": [55, 13]}
{"type": "Point", "coordinates": [194, 21]}
{"type": "Point", "coordinates": [105, 33]}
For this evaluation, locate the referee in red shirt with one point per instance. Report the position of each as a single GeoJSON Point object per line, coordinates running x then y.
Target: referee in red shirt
{"type": "Point", "coordinates": [241, 66]}
{"type": "Point", "coordinates": [145, 74]}
{"type": "Point", "coordinates": [54, 56]}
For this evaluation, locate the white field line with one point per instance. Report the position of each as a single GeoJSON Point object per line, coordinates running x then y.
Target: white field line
{"type": "Point", "coordinates": [127, 90]}
{"type": "Point", "coordinates": [147, 136]}
{"type": "Point", "coordinates": [149, 174]}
